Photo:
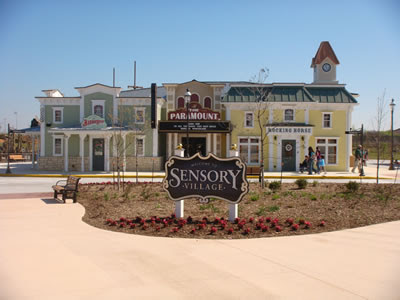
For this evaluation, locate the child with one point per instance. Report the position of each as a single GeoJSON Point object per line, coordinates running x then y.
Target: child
{"type": "Point", "coordinates": [303, 165]}
{"type": "Point", "coordinates": [322, 164]}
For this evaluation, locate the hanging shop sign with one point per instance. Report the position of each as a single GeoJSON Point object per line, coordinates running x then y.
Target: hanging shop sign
{"type": "Point", "coordinates": [194, 127]}
{"type": "Point", "coordinates": [196, 112]}
{"type": "Point", "coordinates": [94, 122]}
{"type": "Point", "coordinates": [205, 177]}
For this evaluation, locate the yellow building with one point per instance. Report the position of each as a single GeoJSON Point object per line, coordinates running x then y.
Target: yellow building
{"type": "Point", "coordinates": [293, 117]}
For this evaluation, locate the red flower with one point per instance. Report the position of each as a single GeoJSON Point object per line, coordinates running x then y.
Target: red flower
{"type": "Point", "coordinates": [189, 219]}
{"type": "Point", "coordinates": [308, 225]}
{"type": "Point", "coordinates": [230, 230]}
{"type": "Point", "coordinates": [213, 230]}
{"type": "Point", "coordinates": [202, 226]}
{"type": "Point", "coordinates": [251, 220]}
{"type": "Point", "coordinates": [278, 229]}
{"type": "Point", "coordinates": [122, 225]}
{"type": "Point", "coordinates": [133, 225]}
{"type": "Point", "coordinates": [158, 228]}
{"type": "Point", "coordinates": [173, 216]}
{"type": "Point", "coordinates": [144, 227]}
{"type": "Point", "coordinates": [290, 221]}
{"type": "Point", "coordinates": [193, 230]}
{"type": "Point", "coordinates": [237, 220]}
{"type": "Point", "coordinates": [265, 228]}
{"type": "Point", "coordinates": [261, 220]}
{"type": "Point", "coordinates": [113, 223]}
{"type": "Point", "coordinates": [247, 231]}
{"type": "Point", "coordinates": [258, 226]}
{"type": "Point", "coordinates": [268, 219]}
{"type": "Point", "coordinates": [216, 221]}
{"type": "Point", "coordinates": [108, 221]}
{"type": "Point", "coordinates": [175, 229]}
{"type": "Point", "coordinates": [301, 221]}
{"type": "Point", "coordinates": [322, 224]}
{"type": "Point", "coordinates": [295, 227]}
{"type": "Point", "coordinates": [142, 222]}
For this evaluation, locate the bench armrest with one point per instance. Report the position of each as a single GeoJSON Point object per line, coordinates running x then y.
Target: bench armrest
{"type": "Point", "coordinates": [65, 182]}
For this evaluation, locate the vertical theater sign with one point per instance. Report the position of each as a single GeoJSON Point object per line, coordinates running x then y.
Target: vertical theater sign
{"type": "Point", "coordinates": [205, 177]}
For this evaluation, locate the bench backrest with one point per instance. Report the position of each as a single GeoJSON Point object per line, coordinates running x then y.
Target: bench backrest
{"type": "Point", "coordinates": [72, 183]}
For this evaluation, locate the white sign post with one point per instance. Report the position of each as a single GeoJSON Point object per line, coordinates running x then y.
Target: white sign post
{"type": "Point", "coordinates": [179, 205]}
{"type": "Point", "coordinates": [233, 208]}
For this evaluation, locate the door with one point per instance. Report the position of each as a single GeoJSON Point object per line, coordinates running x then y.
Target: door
{"type": "Point", "coordinates": [98, 154]}
{"type": "Point", "coordinates": [195, 145]}
{"type": "Point", "coordinates": [288, 155]}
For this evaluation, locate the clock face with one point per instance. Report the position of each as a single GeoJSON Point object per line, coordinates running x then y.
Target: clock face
{"type": "Point", "coordinates": [326, 67]}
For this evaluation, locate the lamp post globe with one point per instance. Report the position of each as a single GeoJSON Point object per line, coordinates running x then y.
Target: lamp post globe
{"type": "Point", "coordinates": [392, 105]}
{"type": "Point", "coordinates": [187, 101]}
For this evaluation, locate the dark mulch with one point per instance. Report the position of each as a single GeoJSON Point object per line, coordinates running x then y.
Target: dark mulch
{"type": "Point", "coordinates": [147, 206]}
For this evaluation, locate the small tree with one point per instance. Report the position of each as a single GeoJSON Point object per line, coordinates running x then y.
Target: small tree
{"type": "Point", "coordinates": [378, 124]}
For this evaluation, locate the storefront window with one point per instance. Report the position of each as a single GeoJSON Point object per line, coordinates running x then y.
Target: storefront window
{"type": "Point", "coordinates": [249, 149]}
{"type": "Point", "coordinates": [328, 148]}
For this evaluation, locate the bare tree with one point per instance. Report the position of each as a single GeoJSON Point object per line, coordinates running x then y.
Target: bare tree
{"type": "Point", "coordinates": [378, 123]}
{"type": "Point", "coordinates": [259, 92]}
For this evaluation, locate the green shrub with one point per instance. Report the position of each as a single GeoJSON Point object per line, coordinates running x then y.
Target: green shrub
{"type": "Point", "coordinates": [261, 211]}
{"type": "Point", "coordinates": [352, 186]}
{"type": "Point", "coordinates": [254, 197]}
{"type": "Point", "coordinates": [274, 185]}
{"type": "Point", "coordinates": [315, 183]}
{"type": "Point", "coordinates": [273, 208]}
{"type": "Point", "coordinates": [275, 197]}
{"type": "Point", "coordinates": [301, 183]}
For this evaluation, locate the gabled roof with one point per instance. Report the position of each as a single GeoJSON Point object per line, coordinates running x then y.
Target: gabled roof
{"type": "Point", "coordinates": [112, 87]}
{"type": "Point", "coordinates": [290, 93]}
{"type": "Point", "coordinates": [325, 50]}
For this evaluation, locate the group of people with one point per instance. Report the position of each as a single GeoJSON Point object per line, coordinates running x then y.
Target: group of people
{"type": "Point", "coordinates": [361, 158]}
{"type": "Point", "coordinates": [312, 160]}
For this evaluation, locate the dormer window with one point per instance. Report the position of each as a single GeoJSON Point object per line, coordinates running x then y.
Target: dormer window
{"type": "Point", "coordinates": [289, 115]}
{"type": "Point", "coordinates": [98, 108]}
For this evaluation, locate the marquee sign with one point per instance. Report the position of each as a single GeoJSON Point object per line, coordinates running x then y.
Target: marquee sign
{"type": "Point", "coordinates": [196, 112]}
{"type": "Point", "coordinates": [94, 122]}
{"type": "Point", "coordinates": [194, 127]}
{"type": "Point", "coordinates": [205, 177]}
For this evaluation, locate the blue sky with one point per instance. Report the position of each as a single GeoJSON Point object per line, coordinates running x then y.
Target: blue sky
{"type": "Point", "coordinates": [66, 44]}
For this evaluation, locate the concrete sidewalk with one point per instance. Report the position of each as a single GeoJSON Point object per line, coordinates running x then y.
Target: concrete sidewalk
{"type": "Point", "coordinates": [47, 252]}
{"type": "Point", "coordinates": [25, 169]}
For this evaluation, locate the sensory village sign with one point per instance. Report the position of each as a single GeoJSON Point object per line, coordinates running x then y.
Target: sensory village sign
{"type": "Point", "coordinates": [206, 177]}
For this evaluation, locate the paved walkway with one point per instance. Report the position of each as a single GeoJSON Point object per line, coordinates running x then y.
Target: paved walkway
{"type": "Point", "coordinates": [47, 252]}
{"type": "Point", "coordinates": [25, 169]}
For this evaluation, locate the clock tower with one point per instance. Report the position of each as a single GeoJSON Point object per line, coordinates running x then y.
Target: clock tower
{"type": "Point", "coordinates": [324, 64]}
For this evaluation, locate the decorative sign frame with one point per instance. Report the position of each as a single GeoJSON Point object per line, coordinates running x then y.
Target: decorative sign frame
{"type": "Point", "coordinates": [206, 177]}
{"type": "Point", "coordinates": [94, 122]}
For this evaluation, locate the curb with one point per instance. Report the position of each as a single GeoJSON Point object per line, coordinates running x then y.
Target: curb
{"type": "Point", "coordinates": [162, 176]}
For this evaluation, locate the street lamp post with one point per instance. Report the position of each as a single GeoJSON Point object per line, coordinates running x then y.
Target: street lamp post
{"type": "Point", "coordinates": [391, 167]}
{"type": "Point", "coordinates": [8, 171]}
{"type": "Point", "coordinates": [187, 101]}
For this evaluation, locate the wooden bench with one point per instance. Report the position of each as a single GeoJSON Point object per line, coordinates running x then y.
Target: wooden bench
{"type": "Point", "coordinates": [255, 171]}
{"type": "Point", "coordinates": [16, 157]}
{"type": "Point", "coordinates": [68, 190]}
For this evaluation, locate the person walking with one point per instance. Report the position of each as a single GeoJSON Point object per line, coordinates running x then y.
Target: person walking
{"type": "Point", "coordinates": [358, 161]}
{"type": "Point", "coordinates": [311, 158]}
{"type": "Point", "coordinates": [318, 157]}
{"type": "Point", "coordinates": [322, 164]}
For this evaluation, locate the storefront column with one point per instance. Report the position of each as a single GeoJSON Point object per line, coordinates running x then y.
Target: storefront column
{"type": "Point", "coordinates": [33, 151]}
{"type": "Point", "coordinates": [90, 153]}
{"type": "Point", "coordinates": [175, 141]}
{"type": "Point", "coordinates": [107, 153]}
{"type": "Point", "coordinates": [155, 142]}
{"type": "Point", "coordinates": [169, 144]}
{"type": "Point", "coordinates": [214, 143]}
{"type": "Point", "coordinates": [82, 151]}
{"type": "Point", "coordinates": [208, 143]}
{"type": "Point", "coordinates": [271, 153]}
{"type": "Point", "coordinates": [66, 139]}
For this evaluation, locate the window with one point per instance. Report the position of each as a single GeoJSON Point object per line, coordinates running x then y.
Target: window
{"type": "Point", "coordinates": [194, 98]}
{"type": "Point", "coordinates": [98, 108]}
{"type": "Point", "coordinates": [57, 146]}
{"type": "Point", "coordinates": [181, 102]}
{"type": "Point", "coordinates": [249, 149]}
{"type": "Point", "coordinates": [207, 102]}
{"type": "Point", "coordinates": [139, 146]}
{"type": "Point", "coordinates": [58, 115]}
{"type": "Point", "coordinates": [326, 120]}
{"type": "Point", "coordinates": [329, 149]}
{"type": "Point", "coordinates": [289, 115]}
{"type": "Point", "coordinates": [139, 115]}
{"type": "Point", "coordinates": [248, 119]}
